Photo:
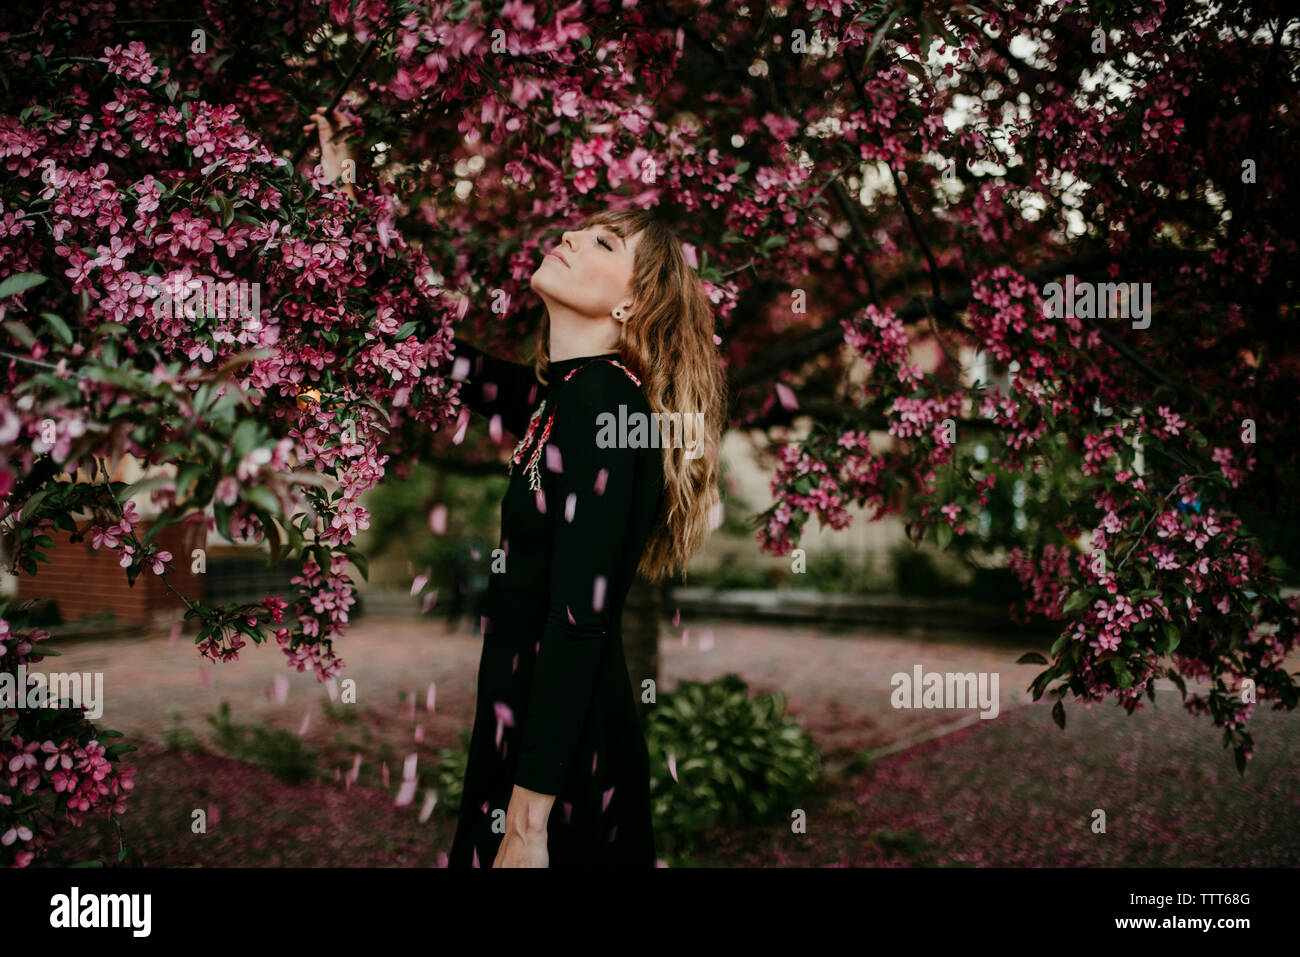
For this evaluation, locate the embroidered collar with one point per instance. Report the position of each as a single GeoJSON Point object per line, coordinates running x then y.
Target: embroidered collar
{"type": "Point", "coordinates": [563, 368]}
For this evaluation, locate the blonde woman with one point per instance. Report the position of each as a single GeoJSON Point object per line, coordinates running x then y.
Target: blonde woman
{"type": "Point", "coordinates": [599, 491]}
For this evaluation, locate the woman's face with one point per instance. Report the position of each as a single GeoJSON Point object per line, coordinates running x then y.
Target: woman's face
{"type": "Point", "coordinates": [589, 271]}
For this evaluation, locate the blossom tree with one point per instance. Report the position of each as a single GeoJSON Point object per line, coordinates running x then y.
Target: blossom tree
{"type": "Point", "coordinates": [857, 182]}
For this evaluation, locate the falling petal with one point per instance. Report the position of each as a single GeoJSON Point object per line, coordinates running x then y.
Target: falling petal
{"type": "Point", "coordinates": [706, 639]}
{"type": "Point", "coordinates": [569, 504]}
{"type": "Point", "coordinates": [568, 811]}
{"type": "Point", "coordinates": [537, 646]}
{"type": "Point", "coordinates": [419, 733]}
{"type": "Point", "coordinates": [430, 802]}
{"type": "Point", "coordinates": [306, 720]}
{"type": "Point", "coordinates": [598, 593]}
{"type": "Point", "coordinates": [594, 756]}
{"type": "Point", "coordinates": [460, 369]}
{"type": "Point", "coordinates": [605, 799]}
{"type": "Point", "coordinates": [337, 774]}
{"type": "Point", "coordinates": [176, 633]}
{"type": "Point", "coordinates": [715, 516]}
{"type": "Point", "coordinates": [572, 620]}
{"type": "Point", "coordinates": [405, 794]}
{"type": "Point", "coordinates": [476, 857]}
{"type": "Point", "coordinates": [418, 584]}
{"type": "Point", "coordinates": [686, 636]}
{"type": "Point", "coordinates": [541, 501]}
{"type": "Point", "coordinates": [601, 478]}
{"type": "Point", "coordinates": [677, 618]}
{"type": "Point", "coordinates": [438, 519]}
{"type": "Point", "coordinates": [672, 766]}
{"type": "Point", "coordinates": [383, 773]}
{"type": "Point", "coordinates": [205, 675]}
{"type": "Point", "coordinates": [489, 391]}
{"type": "Point", "coordinates": [494, 428]}
{"type": "Point", "coordinates": [408, 769]}
{"type": "Point", "coordinates": [443, 859]}
{"type": "Point", "coordinates": [462, 423]}
{"type": "Point", "coordinates": [786, 395]}
{"type": "Point", "coordinates": [717, 339]}
{"type": "Point", "coordinates": [514, 663]}
{"type": "Point", "coordinates": [429, 601]}
{"type": "Point", "coordinates": [553, 461]}
{"type": "Point", "coordinates": [430, 696]}
{"type": "Point", "coordinates": [281, 689]}
{"type": "Point", "coordinates": [332, 687]}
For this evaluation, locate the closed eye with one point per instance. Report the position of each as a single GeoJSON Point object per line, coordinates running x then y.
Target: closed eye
{"type": "Point", "coordinates": [605, 244]}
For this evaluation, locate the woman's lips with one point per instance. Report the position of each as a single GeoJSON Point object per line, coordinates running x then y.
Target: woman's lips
{"type": "Point", "coordinates": [559, 257]}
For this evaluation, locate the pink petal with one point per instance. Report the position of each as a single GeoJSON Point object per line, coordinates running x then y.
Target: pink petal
{"type": "Point", "coordinates": [605, 799]}
{"type": "Point", "coordinates": [553, 461]}
{"type": "Point", "coordinates": [569, 504]}
{"type": "Point", "coordinates": [672, 766]}
{"type": "Point", "coordinates": [598, 593]}
{"type": "Point", "coordinates": [601, 478]}
{"type": "Point", "coordinates": [786, 395]}
{"type": "Point", "coordinates": [418, 584]}
{"type": "Point", "coordinates": [438, 520]}
{"type": "Point", "coordinates": [461, 425]}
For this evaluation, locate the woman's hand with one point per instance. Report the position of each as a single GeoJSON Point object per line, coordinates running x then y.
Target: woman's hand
{"type": "Point", "coordinates": [335, 157]}
{"type": "Point", "coordinates": [520, 850]}
{"type": "Point", "coordinates": [524, 844]}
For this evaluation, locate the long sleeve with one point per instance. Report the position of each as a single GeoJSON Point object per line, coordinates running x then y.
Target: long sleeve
{"type": "Point", "coordinates": [493, 386]}
{"type": "Point", "coordinates": [591, 505]}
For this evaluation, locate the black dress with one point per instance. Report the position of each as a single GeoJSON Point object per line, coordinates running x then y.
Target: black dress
{"type": "Point", "coordinates": [555, 709]}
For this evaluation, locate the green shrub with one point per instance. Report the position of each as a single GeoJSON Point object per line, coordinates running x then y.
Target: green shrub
{"type": "Point", "coordinates": [738, 760]}
{"type": "Point", "coordinates": [449, 776]}
{"type": "Point", "coordinates": [280, 752]}
{"type": "Point", "coordinates": [179, 737]}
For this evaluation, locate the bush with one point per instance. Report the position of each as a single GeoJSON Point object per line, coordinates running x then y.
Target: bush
{"type": "Point", "coordinates": [280, 752]}
{"type": "Point", "coordinates": [449, 776]}
{"type": "Point", "coordinates": [738, 760]}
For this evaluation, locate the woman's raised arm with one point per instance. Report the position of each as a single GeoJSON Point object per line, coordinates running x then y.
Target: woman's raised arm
{"type": "Point", "coordinates": [493, 386]}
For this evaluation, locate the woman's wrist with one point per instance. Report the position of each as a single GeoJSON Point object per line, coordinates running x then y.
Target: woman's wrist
{"type": "Point", "coordinates": [528, 813]}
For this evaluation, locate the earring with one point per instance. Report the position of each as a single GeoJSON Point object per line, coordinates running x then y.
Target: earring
{"type": "Point", "coordinates": [618, 313]}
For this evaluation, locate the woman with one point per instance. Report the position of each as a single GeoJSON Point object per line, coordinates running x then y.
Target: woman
{"type": "Point", "coordinates": [558, 771]}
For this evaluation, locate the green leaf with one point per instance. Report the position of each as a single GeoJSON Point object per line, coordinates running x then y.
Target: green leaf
{"type": "Point", "coordinates": [33, 502]}
{"type": "Point", "coordinates": [1031, 658]}
{"type": "Point", "coordinates": [1058, 715]}
{"type": "Point", "coordinates": [1076, 601]}
{"type": "Point", "coordinates": [1122, 674]}
{"type": "Point", "coordinates": [20, 282]}
{"type": "Point", "coordinates": [58, 327]}
{"type": "Point", "coordinates": [1172, 637]}
{"type": "Point", "coordinates": [263, 498]}
{"type": "Point", "coordinates": [22, 335]}
{"type": "Point", "coordinates": [916, 69]}
{"type": "Point", "coordinates": [943, 535]}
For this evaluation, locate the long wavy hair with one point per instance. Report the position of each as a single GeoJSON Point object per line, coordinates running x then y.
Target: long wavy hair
{"type": "Point", "coordinates": [668, 343]}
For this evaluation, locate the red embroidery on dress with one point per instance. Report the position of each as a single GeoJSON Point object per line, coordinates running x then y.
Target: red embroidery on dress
{"type": "Point", "coordinates": [532, 469]}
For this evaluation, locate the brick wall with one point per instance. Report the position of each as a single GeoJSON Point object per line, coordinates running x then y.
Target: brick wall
{"type": "Point", "coordinates": [86, 581]}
